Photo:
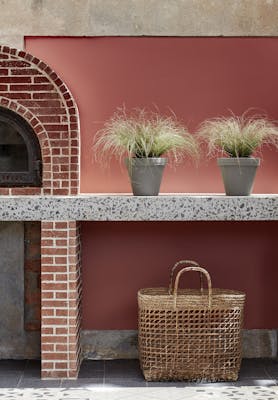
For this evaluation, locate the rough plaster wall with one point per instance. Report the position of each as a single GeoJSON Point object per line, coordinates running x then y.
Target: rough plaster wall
{"type": "Point", "coordinates": [135, 17]}
{"type": "Point", "coordinates": [11, 285]}
{"type": "Point", "coordinates": [123, 344]}
{"type": "Point", "coordinates": [14, 341]}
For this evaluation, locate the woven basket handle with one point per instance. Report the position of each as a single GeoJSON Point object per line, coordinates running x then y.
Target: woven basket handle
{"type": "Point", "coordinates": [185, 263]}
{"type": "Point", "coordinates": [187, 269]}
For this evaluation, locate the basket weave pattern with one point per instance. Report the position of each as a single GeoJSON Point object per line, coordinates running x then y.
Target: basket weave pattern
{"type": "Point", "coordinates": [188, 334]}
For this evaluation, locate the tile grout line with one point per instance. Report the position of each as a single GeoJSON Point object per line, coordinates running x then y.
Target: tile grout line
{"type": "Point", "coordinates": [267, 373]}
{"type": "Point", "coordinates": [21, 375]}
{"type": "Point", "coordinates": [270, 376]}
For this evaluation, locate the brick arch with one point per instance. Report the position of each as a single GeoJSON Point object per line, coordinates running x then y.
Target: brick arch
{"type": "Point", "coordinates": [31, 88]}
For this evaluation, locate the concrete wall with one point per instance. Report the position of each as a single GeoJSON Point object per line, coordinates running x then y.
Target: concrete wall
{"type": "Point", "coordinates": [15, 342]}
{"type": "Point", "coordinates": [97, 345]}
{"type": "Point", "coordinates": [135, 18]}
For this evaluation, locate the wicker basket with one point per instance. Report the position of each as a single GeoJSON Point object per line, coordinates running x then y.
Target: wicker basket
{"type": "Point", "coordinates": [187, 334]}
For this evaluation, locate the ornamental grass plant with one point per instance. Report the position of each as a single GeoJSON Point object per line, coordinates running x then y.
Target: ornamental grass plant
{"type": "Point", "coordinates": [238, 136]}
{"type": "Point", "coordinates": [144, 134]}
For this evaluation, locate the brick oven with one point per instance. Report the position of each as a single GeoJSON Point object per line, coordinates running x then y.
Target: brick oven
{"type": "Point", "coordinates": [34, 97]}
{"type": "Point", "coordinates": [46, 208]}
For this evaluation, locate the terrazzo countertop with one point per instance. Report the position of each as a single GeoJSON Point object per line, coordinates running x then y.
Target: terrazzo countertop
{"type": "Point", "coordinates": [168, 207]}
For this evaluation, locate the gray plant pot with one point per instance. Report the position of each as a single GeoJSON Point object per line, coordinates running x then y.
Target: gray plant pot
{"type": "Point", "coordinates": [145, 175]}
{"type": "Point", "coordinates": [238, 174]}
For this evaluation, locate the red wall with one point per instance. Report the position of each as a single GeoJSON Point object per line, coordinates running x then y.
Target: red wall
{"type": "Point", "coordinates": [197, 78]}
{"type": "Point", "coordinates": [120, 258]}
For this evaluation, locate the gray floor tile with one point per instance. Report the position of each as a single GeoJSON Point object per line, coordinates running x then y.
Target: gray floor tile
{"type": "Point", "coordinates": [92, 369]}
{"type": "Point", "coordinates": [38, 383]}
{"type": "Point", "coordinates": [97, 365]}
{"type": "Point", "coordinates": [10, 374]}
{"type": "Point", "coordinates": [251, 369]}
{"type": "Point", "coordinates": [12, 365]}
{"type": "Point", "coordinates": [89, 374]}
{"type": "Point", "coordinates": [271, 368]}
{"type": "Point", "coordinates": [256, 382]}
{"type": "Point", "coordinates": [33, 364]}
{"type": "Point", "coordinates": [168, 384]}
{"type": "Point", "coordinates": [127, 374]}
{"type": "Point", "coordinates": [211, 384]}
{"type": "Point", "coordinates": [253, 362]}
{"type": "Point", "coordinates": [125, 369]}
{"type": "Point", "coordinates": [82, 383]}
{"type": "Point", "coordinates": [124, 383]}
{"type": "Point", "coordinates": [32, 369]}
{"type": "Point", "coordinates": [9, 382]}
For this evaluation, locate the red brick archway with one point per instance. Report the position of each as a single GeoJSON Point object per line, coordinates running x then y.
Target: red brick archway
{"type": "Point", "coordinates": [32, 89]}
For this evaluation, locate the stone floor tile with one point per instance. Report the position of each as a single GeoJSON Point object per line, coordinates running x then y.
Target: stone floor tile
{"type": "Point", "coordinates": [271, 369]}
{"type": "Point", "coordinates": [32, 369]}
{"type": "Point", "coordinates": [251, 369]}
{"type": "Point", "coordinates": [122, 383]}
{"type": "Point", "coordinates": [92, 370]}
{"type": "Point", "coordinates": [83, 383]}
{"type": "Point", "coordinates": [38, 383]}
{"type": "Point", "coordinates": [97, 365]}
{"type": "Point", "coordinates": [125, 369]}
{"type": "Point", "coordinates": [123, 380]}
{"type": "Point", "coordinates": [9, 382]}
{"type": "Point", "coordinates": [10, 374]}
{"type": "Point", "coordinates": [12, 365]}
{"type": "Point", "coordinates": [259, 382]}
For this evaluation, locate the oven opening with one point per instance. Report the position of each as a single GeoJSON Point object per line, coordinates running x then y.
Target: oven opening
{"type": "Point", "coordinates": [20, 153]}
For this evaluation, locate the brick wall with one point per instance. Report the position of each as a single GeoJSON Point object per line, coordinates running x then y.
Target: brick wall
{"type": "Point", "coordinates": [60, 304]}
{"type": "Point", "coordinates": [32, 89]}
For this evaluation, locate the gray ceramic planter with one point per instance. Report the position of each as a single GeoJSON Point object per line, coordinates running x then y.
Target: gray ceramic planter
{"type": "Point", "coordinates": [238, 174]}
{"type": "Point", "coordinates": [145, 175]}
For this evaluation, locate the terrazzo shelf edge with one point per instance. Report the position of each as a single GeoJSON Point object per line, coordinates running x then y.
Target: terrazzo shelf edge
{"type": "Point", "coordinates": [177, 207]}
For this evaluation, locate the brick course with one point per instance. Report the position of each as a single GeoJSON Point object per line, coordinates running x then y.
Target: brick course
{"type": "Point", "coordinates": [60, 338]}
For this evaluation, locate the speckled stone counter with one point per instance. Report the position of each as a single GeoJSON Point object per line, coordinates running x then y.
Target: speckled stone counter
{"type": "Point", "coordinates": [177, 207]}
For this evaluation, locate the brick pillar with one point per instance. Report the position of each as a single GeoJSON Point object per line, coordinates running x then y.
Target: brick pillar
{"type": "Point", "coordinates": [60, 299]}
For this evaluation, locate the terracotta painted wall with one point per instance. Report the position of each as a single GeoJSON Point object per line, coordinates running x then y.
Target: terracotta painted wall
{"type": "Point", "coordinates": [120, 258]}
{"type": "Point", "coordinates": [197, 78]}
